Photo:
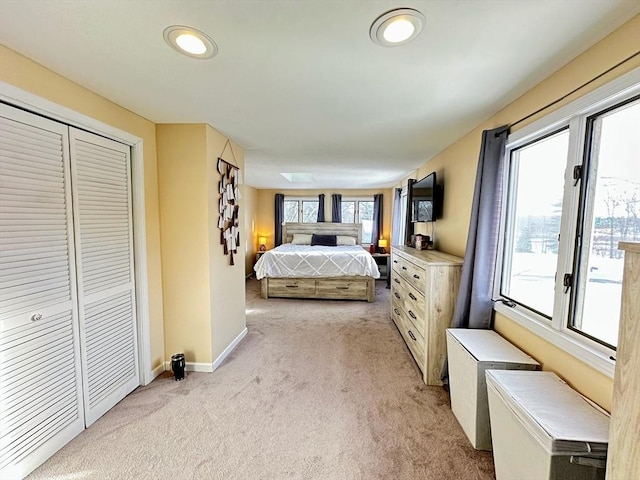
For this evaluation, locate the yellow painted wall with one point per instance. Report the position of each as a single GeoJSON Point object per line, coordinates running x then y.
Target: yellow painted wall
{"type": "Point", "coordinates": [204, 294]}
{"type": "Point", "coordinates": [227, 284]}
{"type": "Point", "coordinates": [456, 167]}
{"type": "Point", "coordinates": [182, 174]}
{"type": "Point", "coordinates": [266, 207]}
{"type": "Point", "coordinates": [250, 200]}
{"type": "Point", "coordinates": [38, 80]}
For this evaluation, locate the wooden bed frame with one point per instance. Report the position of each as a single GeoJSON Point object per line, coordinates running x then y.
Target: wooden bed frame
{"type": "Point", "coordinates": [334, 288]}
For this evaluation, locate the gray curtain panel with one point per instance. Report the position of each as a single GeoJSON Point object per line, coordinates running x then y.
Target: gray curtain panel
{"type": "Point", "coordinates": [397, 198]}
{"type": "Point", "coordinates": [377, 219]}
{"type": "Point", "coordinates": [474, 308]}
{"type": "Point", "coordinates": [336, 208]}
{"type": "Point", "coordinates": [279, 218]}
{"type": "Point", "coordinates": [408, 230]}
{"type": "Point", "coordinates": [321, 207]}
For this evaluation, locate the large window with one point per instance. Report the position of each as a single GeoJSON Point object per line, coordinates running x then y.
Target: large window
{"type": "Point", "coordinates": [609, 211]}
{"type": "Point", "coordinates": [533, 225]}
{"type": "Point", "coordinates": [300, 210]}
{"type": "Point", "coordinates": [573, 194]}
{"type": "Point", "coordinates": [359, 211]}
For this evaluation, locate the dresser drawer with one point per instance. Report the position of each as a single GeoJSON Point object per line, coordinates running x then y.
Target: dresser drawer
{"type": "Point", "coordinates": [396, 315]}
{"type": "Point", "coordinates": [399, 285]}
{"type": "Point", "coordinates": [411, 335]}
{"type": "Point", "coordinates": [293, 287]}
{"type": "Point", "coordinates": [397, 281]}
{"type": "Point", "coordinates": [395, 262]}
{"type": "Point", "coordinates": [415, 343]}
{"type": "Point", "coordinates": [416, 318]}
{"type": "Point", "coordinates": [414, 274]}
{"type": "Point", "coordinates": [414, 305]}
{"type": "Point", "coordinates": [398, 294]}
{"type": "Point", "coordinates": [341, 288]}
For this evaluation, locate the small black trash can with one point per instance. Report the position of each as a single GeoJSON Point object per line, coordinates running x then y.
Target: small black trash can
{"type": "Point", "coordinates": [177, 365]}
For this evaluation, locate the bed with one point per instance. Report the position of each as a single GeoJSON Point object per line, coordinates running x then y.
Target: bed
{"type": "Point", "coordinates": [343, 272]}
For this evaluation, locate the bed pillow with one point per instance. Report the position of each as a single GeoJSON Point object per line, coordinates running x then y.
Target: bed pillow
{"type": "Point", "coordinates": [346, 240]}
{"type": "Point", "coordinates": [301, 239]}
{"type": "Point", "coordinates": [326, 240]}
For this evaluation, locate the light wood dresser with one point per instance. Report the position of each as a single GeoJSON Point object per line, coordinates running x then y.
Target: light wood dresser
{"type": "Point", "coordinates": [424, 286]}
{"type": "Point", "coordinates": [623, 459]}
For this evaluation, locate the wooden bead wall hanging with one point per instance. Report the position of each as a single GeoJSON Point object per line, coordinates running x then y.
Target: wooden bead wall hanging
{"type": "Point", "coordinates": [228, 222]}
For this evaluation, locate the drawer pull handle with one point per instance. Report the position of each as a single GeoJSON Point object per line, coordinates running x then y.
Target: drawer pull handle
{"type": "Point", "coordinates": [396, 294]}
{"type": "Point", "coordinates": [412, 315]}
{"type": "Point", "coordinates": [416, 276]}
{"type": "Point", "coordinates": [292, 286]}
{"type": "Point", "coordinates": [396, 280]}
{"type": "Point", "coordinates": [36, 316]}
{"type": "Point", "coordinates": [342, 288]}
{"type": "Point", "coordinates": [412, 336]}
{"type": "Point", "coordinates": [412, 297]}
{"type": "Point", "coordinates": [395, 310]}
{"type": "Point", "coordinates": [404, 268]}
{"type": "Point", "coordinates": [395, 261]}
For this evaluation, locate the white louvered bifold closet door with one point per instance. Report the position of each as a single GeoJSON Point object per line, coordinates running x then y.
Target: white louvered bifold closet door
{"type": "Point", "coordinates": [40, 380]}
{"type": "Point", "coordinates": [104, 251]}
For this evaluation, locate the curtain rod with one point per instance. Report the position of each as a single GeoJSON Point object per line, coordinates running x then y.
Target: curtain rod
{"type": "Point", "coordinates": [571, 92]}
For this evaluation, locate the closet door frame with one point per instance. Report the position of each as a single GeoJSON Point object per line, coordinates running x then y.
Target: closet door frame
{"type": "Point", "coordinates": [38, 105]}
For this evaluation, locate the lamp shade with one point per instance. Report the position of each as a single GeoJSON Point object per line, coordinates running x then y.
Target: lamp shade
{"type": "Point", "coordinates": [382, 243]}
{"type": "Point", "coordinates": [262, 240]}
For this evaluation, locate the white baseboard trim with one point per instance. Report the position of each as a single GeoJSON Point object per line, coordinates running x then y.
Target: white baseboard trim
{"type": "Point", "coordinates": [218, 361]}
{"type": "Point", "coordinates": [198, 367]}
{"type": "Point", "coordinates": [192, 367]}
{"type": "Point", "coordinates": [158, 370]}
{"type": "Point", "coordinates": [205, 367]}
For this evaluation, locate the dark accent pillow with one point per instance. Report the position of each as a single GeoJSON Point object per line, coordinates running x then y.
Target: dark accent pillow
{"type": "Point", "coordinates": [326, 240]}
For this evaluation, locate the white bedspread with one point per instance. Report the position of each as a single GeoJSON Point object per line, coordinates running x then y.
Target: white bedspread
{"type": "Point", "coordinates": [296, 261]}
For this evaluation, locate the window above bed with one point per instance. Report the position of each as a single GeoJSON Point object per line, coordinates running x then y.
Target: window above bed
{"type": "Point", "coordinates": [359, 210]}
{"type": "Point", "coordinates": [300, 210]}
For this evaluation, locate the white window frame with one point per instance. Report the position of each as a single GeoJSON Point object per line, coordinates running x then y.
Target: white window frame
{"type": "Point", "coordinates": [399, 236]}
{"type": "Point", "coordinates": [356, 209]}
{"type": "Point", "coordinates": [300, 200]}
{"type": "Point", "coordinates": [574, 116]}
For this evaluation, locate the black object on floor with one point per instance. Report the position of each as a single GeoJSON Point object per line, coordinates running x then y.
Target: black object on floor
{"type": "Point", "coordinates": [177, 365]}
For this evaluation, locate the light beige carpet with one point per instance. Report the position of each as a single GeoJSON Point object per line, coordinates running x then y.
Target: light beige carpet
{"type": "Point", "coordinates": [317, 390]}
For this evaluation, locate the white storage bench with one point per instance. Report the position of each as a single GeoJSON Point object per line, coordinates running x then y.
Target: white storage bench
{"type": "Point", "coordinates": [542, 429]}
{"type": "Point", "coordinates": [470, 353]}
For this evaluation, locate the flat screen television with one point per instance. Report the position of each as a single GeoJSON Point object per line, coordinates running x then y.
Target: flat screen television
{"type": "Point", "coordinates": [426, 199]}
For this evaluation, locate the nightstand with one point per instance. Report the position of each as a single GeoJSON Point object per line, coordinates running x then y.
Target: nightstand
{"type": "Point", "coordinates": [384, 259]}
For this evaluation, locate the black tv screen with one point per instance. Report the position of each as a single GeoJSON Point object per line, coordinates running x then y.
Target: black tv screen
{"type": "Point", "coordinates": [426, 199]}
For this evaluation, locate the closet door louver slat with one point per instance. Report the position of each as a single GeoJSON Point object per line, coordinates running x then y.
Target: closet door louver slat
{"type": "Point", "coordinates": [39, 361]}
{"type": "Point", "coordinates": [104, 246]}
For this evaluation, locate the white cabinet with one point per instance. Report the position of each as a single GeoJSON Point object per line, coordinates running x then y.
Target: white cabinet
{"type": "Point", "coordinates": [542, 429]}
{"type": "Point", "coordinates": [68, 347]}
{"type": "Point", "coordinates": [424, 285]}
{"type": "Point", "coordinates": [471, 353]}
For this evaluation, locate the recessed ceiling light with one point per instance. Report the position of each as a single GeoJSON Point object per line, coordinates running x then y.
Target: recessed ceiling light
{"type": "Point", "coordinates": [397, 27]}
{"type": "Point", "coordinates": [190, 42]}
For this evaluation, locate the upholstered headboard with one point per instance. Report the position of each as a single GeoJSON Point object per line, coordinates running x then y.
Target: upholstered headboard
{"type": "Point", "coordinates": [347, 229]}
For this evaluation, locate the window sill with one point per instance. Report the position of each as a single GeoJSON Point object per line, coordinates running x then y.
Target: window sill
{"type": "Point", "coordinates": [591, 356]}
